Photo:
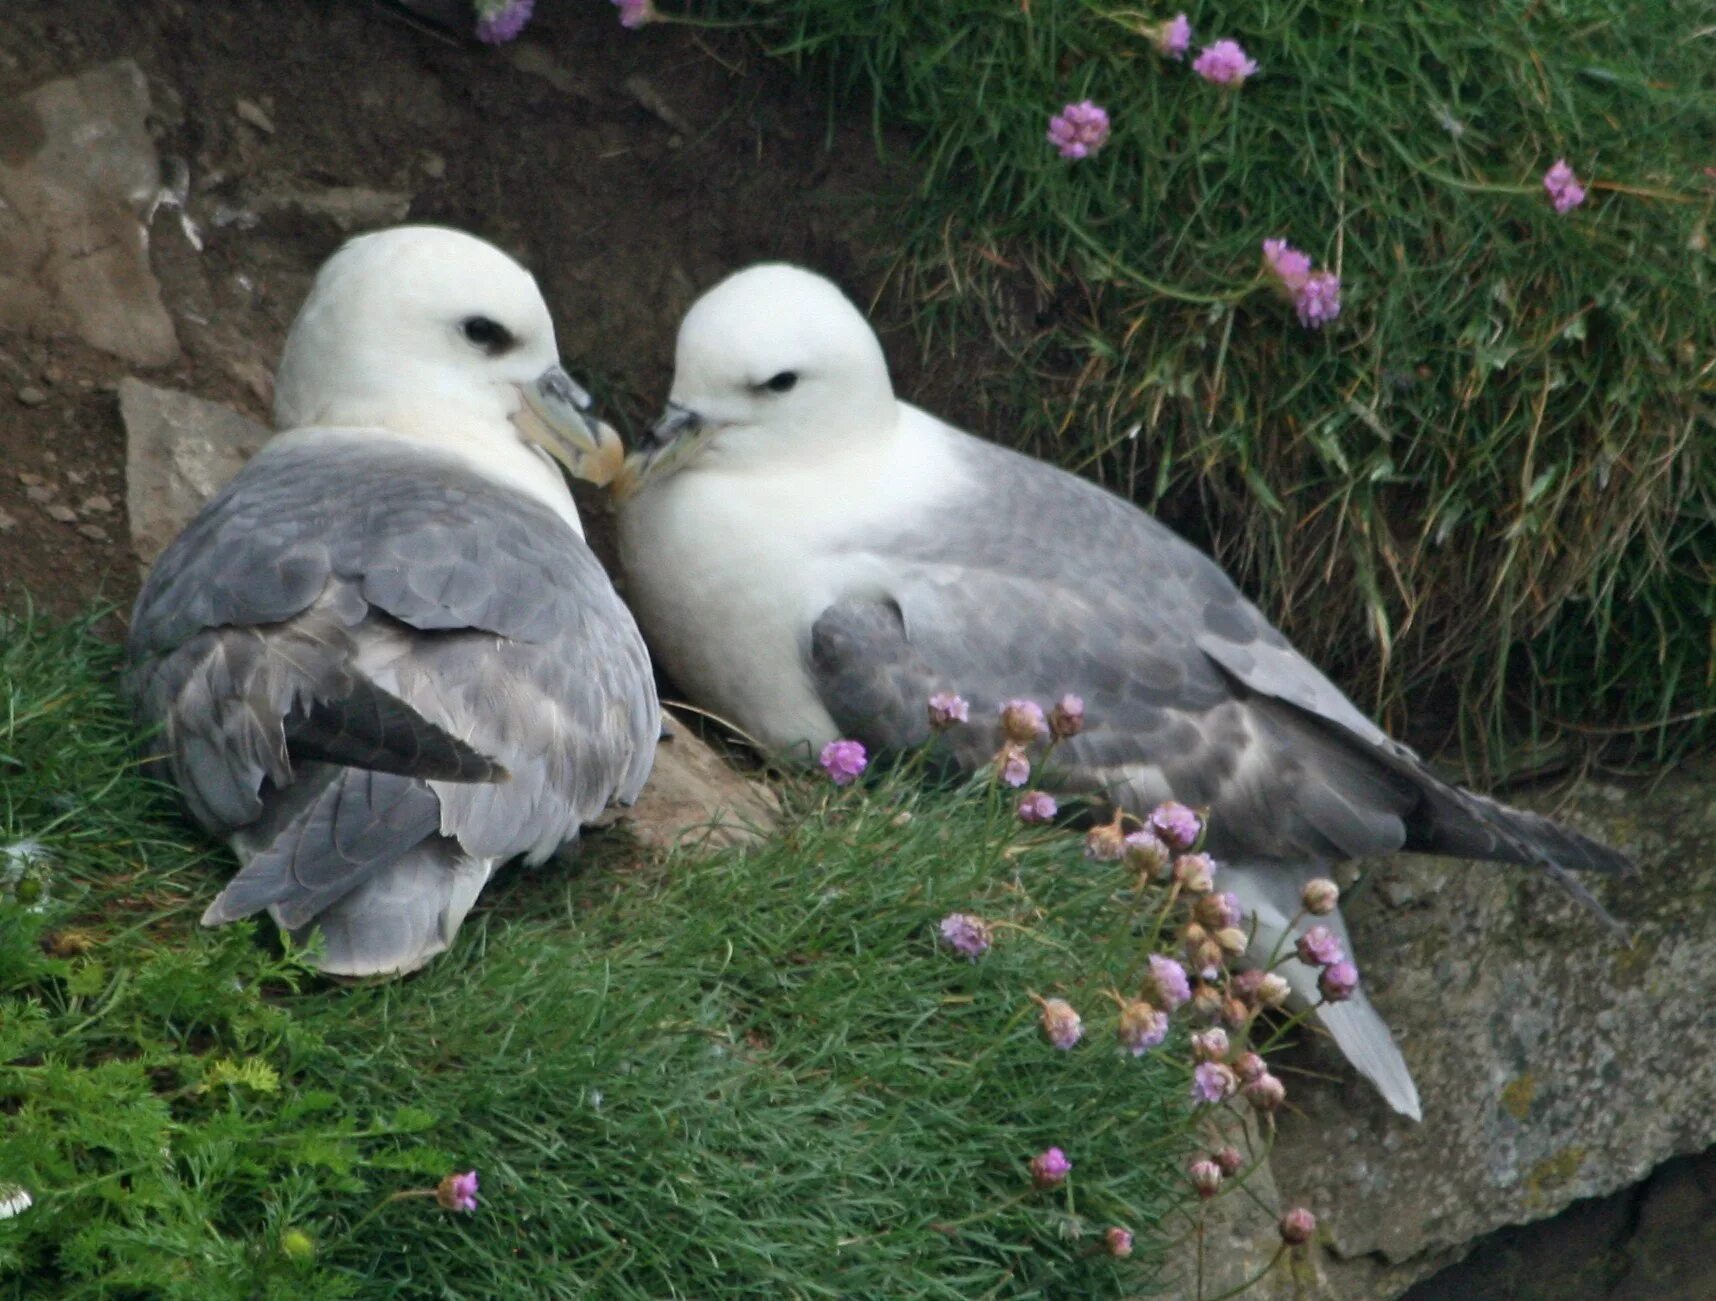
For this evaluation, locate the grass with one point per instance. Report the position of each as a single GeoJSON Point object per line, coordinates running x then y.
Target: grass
{"type": "Point", "coordinates": [751, 1072]}
{"type": "Point", "coordinates": [1496, 474]}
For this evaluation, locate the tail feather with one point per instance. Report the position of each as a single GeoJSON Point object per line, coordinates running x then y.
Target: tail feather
{"type": "Point", "coordinates": [1364, 1039]}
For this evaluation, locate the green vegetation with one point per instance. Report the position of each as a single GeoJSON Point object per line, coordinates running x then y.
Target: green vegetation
{"type": "Point", "coordinates": [746, 1072]}
{"type": "Point", "coordinates": [1496, 473]}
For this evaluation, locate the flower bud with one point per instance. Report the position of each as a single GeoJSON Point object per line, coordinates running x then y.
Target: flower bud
{"type": "Point", "coordinates": [1145, 854]}
{"type": "Point", "coordinates": [1298, 1226]}
{"type": "Point", "coordinates": [1218, 910]}
{"type": "Point", "coordinates": [458, 1192]}
{"type": "Point", "coordinates": [1320, 897]}
{"type": "Point", "coordinates": [1195, 873]}
{"type": "Point", "coordinates": [1231, 941]}
{"type": "Point", "coordinates": [1206, 1177]}
{"type": "Point", "coordinates": [1104, 843]}
{"type": "Point", "coordinates": [946, 709]}
{"type": "Point", "coordinates": [1206, 1003]}
{"type": "Point", "coordinates": [1119, 1242]}
{"type": "Point", "coordinates": [1022, 721]}
{"type": "Point", "coordinates": [1062, 1026]}
{"type": "Point", "coordinates": [1320, 946]}
{"type": "Point", "coordinates": [1050, 1167]}
{"type": "Point", "coordinates": [1266, 1092]}
{"type": "Point", "coordinates": [1209, 1045]}
{"type": "Point", "coordinates": [1236, 1012]}
{"type": "Point", "coordinates": [1338, 981]}
{"type": "Point", "coordinates": [1014, 766]}
{"type": "Point", "coordinates": [1229, 1161]}
{"type": "Point", "coordinates": [1067, 717]}
{"type": "Point", "coordinates": [1141, 1027]}
{"type": "Point", "coordinates": [1273, 990]}
{"type": "Point", "coordinates": [1249, 1066]}
{"type": "Point", "coordinates": [297, 1246]}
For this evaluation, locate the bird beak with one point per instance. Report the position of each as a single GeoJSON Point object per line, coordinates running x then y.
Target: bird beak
{"type": "Point", "coordinates": [670, 441]}
{"type": "Point", "coordinates": [555, 417]}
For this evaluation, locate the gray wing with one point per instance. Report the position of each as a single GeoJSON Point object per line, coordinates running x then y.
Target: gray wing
{"type": "Point", "coordinates": [346, 592]}
{"type": "Point", "coordinates": [1047, 584]}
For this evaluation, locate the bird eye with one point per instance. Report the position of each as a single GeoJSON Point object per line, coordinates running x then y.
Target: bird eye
{"type": "Point", "coordinates": [782, 383]}
{"type": "Point", "coordinates": [489, 335]}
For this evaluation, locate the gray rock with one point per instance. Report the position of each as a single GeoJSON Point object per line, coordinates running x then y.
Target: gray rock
{"type": "Point", "coordinates": [352, 208]}
{"type": "Point", "coordinates": [179, 450]}
{"type": "Point", "coordinates": [31, 396]}
{"type": "Point", "coordinates": [77, 172]}
{"type": "Point", "coordinates": [1555, 1063]}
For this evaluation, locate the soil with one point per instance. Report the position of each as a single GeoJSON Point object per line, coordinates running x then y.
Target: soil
{"type": "Point", "coordinates": [629, 170]}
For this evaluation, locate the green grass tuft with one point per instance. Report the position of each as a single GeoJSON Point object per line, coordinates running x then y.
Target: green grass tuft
{"type": "Point", "coordinates": [752, 1072]}
{"type": "Point", "coordinates": [1497, 472]}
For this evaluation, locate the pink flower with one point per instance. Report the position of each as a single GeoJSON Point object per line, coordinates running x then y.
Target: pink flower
{"type": "Point", "coordinates": [1050, 1167]}
{"type": "Point", "coordinates": [1022, 721]}
{"type": "Point", "coordinates": [1229, 1161]}
{"type": "Point", "coordinates": [1338, 981]}
{"type": "Point", "coordinates": [1266, 1092]}
{"type": "Point", "coordinates": [966, 935]}
{"type": "Point", "coordinates": [1118, 1241]}
{"type": "Point", "coordinates": [1209, 1045]}
{"type": "Point", "coordinates": [1038, 806]}
{"type": "Point", "coordinates": [1286, 263]}
{"type": "Point", "coordinates": [499, 21]}
{"type": "Point", "coordinates": [1318, 300]}
{"type": "Point", "coordinates": [1141, 1027]}
{"type": "Point", "coordinates": [1218, 911]}
{"type": "Point", "coordinates": [1319, 946]}
{"type": "Point", "coordinates": [1564, 188]}
{"type": "Point", "coordinates": [1225, 64]}
{"type": "Point", "coordinates": [1298, 1226]}
{"type": "Point", "coordinates": [1320, 897]}
{"type": "Point", "coordinates": [1206, 1177]}
{"type": "Point", "coordinates": [1169, 980]}
{"type": "Point", "coordinates": [1195, 872]}
{"type": "Point", "coordinates": [946, 709]}
{"type": "Point", "coordinates": [635, 13]}
{"type": "Point", "coordinates": [1174, 37]}
{"type": "Point", "coordinates": [457, 1192]}
{"type": "Point", "coordinates": [1145, 853]}
{"type": "Point", "coordinates": [1062, 1026]}
{"type": "Point", "coordinates": [1179, 826]}
{"type": "Point", "coordinates": [843, 761]}
{"type": "Point", "coordinates": [1079, 130]}
{"type": "Point", "coordinates": [1212, 1083]}
{"type": "Point", "coordinates": [1067, 717]}
{"type": "Point", "coordinates": [1015, 767]}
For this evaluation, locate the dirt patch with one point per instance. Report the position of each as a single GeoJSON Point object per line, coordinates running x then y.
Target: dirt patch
{"type": "Point", "coordinates": [629, 170]}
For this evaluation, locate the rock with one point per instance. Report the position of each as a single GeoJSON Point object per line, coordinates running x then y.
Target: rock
{"type": "Point", "coordinates": [77, 172]}
{"type": "Point", "coordinates": [8, 521]}
{"type": "Point", "coordinates": [31, 396]}
{"type": "Point", "coordinates": [40, 493]}
{"type": "Point", "coordinates": [251, 112]}
{"type": "Point", "coordinates": [1555, 1062]}
{"type": "Point", "coordinates": [94, 532]}
{"type": "Point", "coordinates": [179, 450]}
{"type": "Point", "coordinates": [350, 207]}
{"type": "Point", "coordinates": [696, 797]}
{"type": "Point", "coordinates": [60, 514]}
{"type": "Point", "coordinates": [96, 505]}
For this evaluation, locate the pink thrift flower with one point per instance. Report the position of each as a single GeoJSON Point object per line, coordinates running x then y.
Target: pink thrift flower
{"type": "Point", "coordinates": [1249, 1066]}
{"type": "Point", "coordinates": [968, 936]}
{"type": "Point", "coordinates": [1050, 1167]}
{"type": "Point", "coordinates": [1266, 1092]}
{"type": "Point", "coordinates": [946, 709]}
{"type": "Point", "coordinates": [1179, 826]}
{"type": "Point", "coordinates": [1209, 1045]}
{"type": "Point", "coordinates": [634, 13]}
{"type": "Point", "coordinates": [1218, 911]}
{"type": "Point", "coordinates": [1319, 946]}
{"type": "Point", "coordinates": [1212, 1083]}
{"type": "Point", "coordinates": [843, 761]}
{"type": "Point", "coordinates": [457, 1192]}
{"type": "Point", "coordinates": [1229, 1161]}
{"type": "Point", "coordinates": [1206, 1177]}
{"type": "Point", "coordinates": [1022, 721]}
{"type": "Point", "coordinates": [1225, 64]}
{"type": "Point", "coordinates": [1564, 188]}
{"type": "Point", "coordinates": [1062, 1026]}
{"type": "Point", "coordinates": [1038, 806]}
{"type": "Point", "coordinates": [1079, 130]}
{"type": "Point", "coordinates": [1145, 853]}
{"type": "Point", "coordinates": [1338, 981]}
{"type": "Point", "coordinates": [1067, 717]}
{"type": "Point", "coordinates": [1168, 977]}
{"type": "Point", "coordinates": [499, 21]}
{"type": "Point", "coordinates": [1015, 767]}
{"type": "Point", "coordinates": [1174, 37]}
{"type": "Point", "coordinates": [1195, 872]}
{"type": "Point", "coordinates": [1318, 300]}
{"type": "Point", "coordinates": [1141, 1027]}
{"type": "Point", "coordinates": [1286, 263]}
{"type": "Point", "coordinates": [1298, 1226]}
{"type": "Point", "coordinates": [1118, 1241]}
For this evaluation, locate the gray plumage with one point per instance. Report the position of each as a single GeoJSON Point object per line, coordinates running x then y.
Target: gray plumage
{"type": "Point", "coordinates": [454, 630]}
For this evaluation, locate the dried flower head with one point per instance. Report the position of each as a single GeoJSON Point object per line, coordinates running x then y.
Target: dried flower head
{"type": "Point", "coordinates": [1145, 853]}
{"type": "Point", "coordinates": [1224, 63]}
{"type": "Point", "coordinates": [1319, 946]}
{"type": "Point", "coordinates": [1178, 825]}
{"type": "Point", "coordinates": [1565, 192]}
{"type": "Point", "coordinates": [1062, 1025]}
{"type": "Point", "coordinates": [1195, 873]}
{"type": "Point", "coordinates": [1079, 130]}
{"type": "Point", "coordinates": [1067, 717]}
{"type": "Point", "coordinates": [1298, 1226]}
{"type": "Point", "coordinates": [1209, 1045]}
{"type": "Point", "coordinates": [946, 709]}
{"type": "Point", "coordinates": [1141, 1027]}
{"type": "Point", "coordinates": [1174, 37]}
{"type": "Point", "coordinates": [1105, 843]}
{"type": "Point", "coordinates": [1206, 1177]}
{"type": "Point", "coordinates": [1014, 767]}
{"type": "Point", "coordinates": [966, 935]}
{"type": "Point", "coordinates": [1338, 981]}
{"type": "Point", "coordinates": [1273, 990]}
{"type": "Point", "coordinates": [457, 1192]}
{"type": "Point", "coordinates": [1218, 911]}
{"type": "Point", "coordinates": [1050, 1167]}
{"type": "Point", "coordinates": [1320, 897]}
{"type": "Point", "coordinates": [1022, 721]}
{"type": "Point", "coordinates": [843, 761]}
{"type": "Point", "coordinates": [1038, 806]}
{"type": "Point", "coordinates": [1168, 981]}
{"type": "Point", "coordinates": [1118, 1241]}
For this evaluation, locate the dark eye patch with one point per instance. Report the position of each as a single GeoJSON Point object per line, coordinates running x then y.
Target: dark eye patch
{"type": "Point", "coordinates": [489, 335]}
{"type": "Point", "coordinates": [782, 383]}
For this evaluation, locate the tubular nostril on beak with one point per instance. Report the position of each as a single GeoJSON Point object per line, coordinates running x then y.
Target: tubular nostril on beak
{"type": "Point", "coordinates": [676, 422]}
{"type": "Point", "coordinates": [557, 386]}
